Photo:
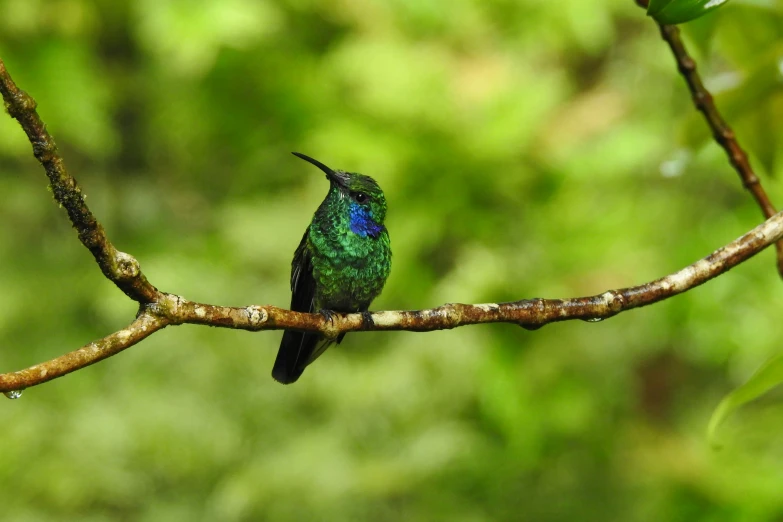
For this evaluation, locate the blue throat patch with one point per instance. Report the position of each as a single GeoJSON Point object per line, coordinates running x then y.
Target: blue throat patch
{"type": "Point", "coordinates": [362, 222]}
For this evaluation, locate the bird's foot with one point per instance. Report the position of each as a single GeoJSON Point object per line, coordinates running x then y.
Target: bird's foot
{"type": "Point", "coordinates": [367, 321]}
{"type": "Point", "coordinates": [328, 314]}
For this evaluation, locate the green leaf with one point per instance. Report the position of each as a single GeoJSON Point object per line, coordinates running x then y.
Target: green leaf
{"type": "Point", "coordinates": [656, 6]}
{"type": "Point", "coordinates": [766, 378]}
{"type": "Point", "coordinates": [679, 11]}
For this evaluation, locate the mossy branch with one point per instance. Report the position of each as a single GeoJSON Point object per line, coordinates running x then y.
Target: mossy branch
{"type": "Point", "coordinates": [120, 268]}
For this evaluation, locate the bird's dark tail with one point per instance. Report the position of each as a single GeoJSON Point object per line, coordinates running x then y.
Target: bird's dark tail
{"type": "Point", "coordinates": [292, 357]}
{"type": "Point", "coordinates": [297, 350]}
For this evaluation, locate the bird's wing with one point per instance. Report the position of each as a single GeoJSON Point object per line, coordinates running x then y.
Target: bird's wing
{"type": "Point", "coordinates": [303, 293]}
{"type": "Point", "coordinates": [302, 280]}
{"type": "Point", "coordinates": [296, 348]}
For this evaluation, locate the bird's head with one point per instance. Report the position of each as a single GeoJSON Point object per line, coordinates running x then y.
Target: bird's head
{"type": "Point", "coordinates": [357, 195]}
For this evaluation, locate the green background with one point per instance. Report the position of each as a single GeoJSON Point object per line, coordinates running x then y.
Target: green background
{"type": "Point", "coordinates": [527, 149]}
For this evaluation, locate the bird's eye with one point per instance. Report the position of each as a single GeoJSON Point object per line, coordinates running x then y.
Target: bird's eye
{"type": "Point", "coordinates": [360, 197]}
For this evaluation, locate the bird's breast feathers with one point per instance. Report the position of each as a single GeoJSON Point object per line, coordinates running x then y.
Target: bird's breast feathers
{"type": "Point", "coordinates": [350, 269]}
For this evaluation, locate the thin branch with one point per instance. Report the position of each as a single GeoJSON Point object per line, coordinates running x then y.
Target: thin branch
{"type": "Point", "coordinates": [120, 268]}
{"type": "Point", "coordinates": [159, 309]}
{"type": "Point", "coordinates": [144, 326]}
{"type": "Point", "coordinates": [721, 131]}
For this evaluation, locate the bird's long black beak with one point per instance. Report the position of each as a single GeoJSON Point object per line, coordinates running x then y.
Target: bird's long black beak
{"type": "Point", "coordinates": [331, 175]}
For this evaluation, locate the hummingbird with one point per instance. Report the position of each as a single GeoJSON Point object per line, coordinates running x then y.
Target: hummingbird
{"type": "Point", "coordinates": [340, 265]}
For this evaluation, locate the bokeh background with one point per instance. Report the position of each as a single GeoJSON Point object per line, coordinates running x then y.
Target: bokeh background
{"type": "Point", "coordinates": [527, 148]}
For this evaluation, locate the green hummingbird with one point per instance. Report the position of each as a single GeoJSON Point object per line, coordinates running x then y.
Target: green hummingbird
{"type": "Point", "coordinates": [341, 263]}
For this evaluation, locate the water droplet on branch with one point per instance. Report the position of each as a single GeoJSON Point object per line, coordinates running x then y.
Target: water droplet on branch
{"type": "Point", "coordinates": [13, 394]}
{"type": "Point", "coordinates": [531, 327]}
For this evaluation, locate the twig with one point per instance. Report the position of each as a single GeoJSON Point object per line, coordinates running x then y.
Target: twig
{"type": "Point", "coordinates": [144, 326]}
{"type": "Point", "coordinates": [721, 131]}
{"type": "Point", "coordinates": [159, 309]}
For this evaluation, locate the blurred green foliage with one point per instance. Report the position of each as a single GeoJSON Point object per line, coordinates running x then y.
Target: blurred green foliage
{"type": "Point", "coordinates": [769, 376]}
{"type": "Point", "coordinates": [526, 148]}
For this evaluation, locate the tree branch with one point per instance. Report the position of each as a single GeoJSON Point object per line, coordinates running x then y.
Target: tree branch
{"type": "Point", "coordinates": [159, 309]}
{"type": "Point", "coordinates": [120, 268]}
{"type": "Point", "coordinates": [721, 131]}
{"type": "Point", "coordinates": [145, 325]}
{"type": "Point", "coordinates": [528, 313]}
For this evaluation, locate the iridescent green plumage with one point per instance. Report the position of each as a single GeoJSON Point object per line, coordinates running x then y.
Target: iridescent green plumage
{"type": "Point", "coordinates": [341, 263]}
